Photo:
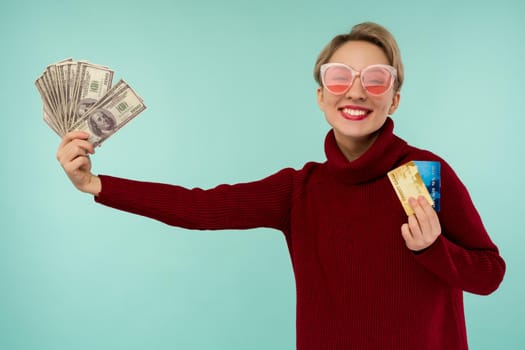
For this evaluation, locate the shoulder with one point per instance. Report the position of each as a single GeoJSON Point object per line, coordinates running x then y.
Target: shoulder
{"type": "Point", "coordinates": [421, 154]}
{"type": "Point", "coordinates": [298, 180]}
{"type": "Point", "coordinates": [291, 176]}
{"type": "Point", "coordinates": [298, 176]}
{"type": "Point", "coordinates": [414, 153]}
{"type": "Point", "coordinates": [448, 175]}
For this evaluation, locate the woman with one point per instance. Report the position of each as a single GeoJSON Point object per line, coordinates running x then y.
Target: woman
{"type": "Point", "coordinates": [367, 276]}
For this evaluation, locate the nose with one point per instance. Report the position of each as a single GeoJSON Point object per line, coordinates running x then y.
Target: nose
{"type": "Point", "coordinates": [356, 91]}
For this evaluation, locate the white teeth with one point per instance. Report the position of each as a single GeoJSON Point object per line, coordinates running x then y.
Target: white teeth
{"type": "Point", "coordinates": [354, 112]}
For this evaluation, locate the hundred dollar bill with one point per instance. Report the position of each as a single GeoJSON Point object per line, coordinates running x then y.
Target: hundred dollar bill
{"type": "Point", "coordinates": [111, 113]}
{"type": "Point", "coordinates": [70, 89]}
{"type": "Point", "coordinates": [52, 123]}
{"type": "Point", "coordinates": [408, 183]}
{"type": "Point", "coordinates": [49, 107]}
{"type": "Point", "coordinates": [93, 82]}
{"type": "Point", "coordinates": [71, 69]}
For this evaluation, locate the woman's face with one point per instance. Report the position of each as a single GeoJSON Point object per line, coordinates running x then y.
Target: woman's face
{"type": "Point", "coordinates": [355, 115]}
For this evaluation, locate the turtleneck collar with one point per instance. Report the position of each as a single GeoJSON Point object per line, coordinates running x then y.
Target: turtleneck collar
{"type": "Point", "coordinates": [374, 163]}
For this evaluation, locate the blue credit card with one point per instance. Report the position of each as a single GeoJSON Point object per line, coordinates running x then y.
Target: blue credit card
{"type": "Point", "coordinates": [430, 173]}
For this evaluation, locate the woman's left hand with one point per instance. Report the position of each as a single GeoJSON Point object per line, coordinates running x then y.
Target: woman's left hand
{"type": "Point", "coordinates": [423, 227]}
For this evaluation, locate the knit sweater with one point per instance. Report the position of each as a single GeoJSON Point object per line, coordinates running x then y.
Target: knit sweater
{"type": "Point", "coordinates": [358, 285]}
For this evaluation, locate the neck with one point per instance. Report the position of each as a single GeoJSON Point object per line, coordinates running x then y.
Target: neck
{"type": "Point", "coordinates": [353, 148]}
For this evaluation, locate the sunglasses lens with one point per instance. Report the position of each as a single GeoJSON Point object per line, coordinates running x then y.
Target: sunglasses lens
{"type": "Point", "coordinates": [337, 79]}
{"type": "Point", "coordinates": [377, 80]}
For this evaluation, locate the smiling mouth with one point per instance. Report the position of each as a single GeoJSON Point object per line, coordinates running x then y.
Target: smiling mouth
{"type": "Point", "coordinates": [354, 113]}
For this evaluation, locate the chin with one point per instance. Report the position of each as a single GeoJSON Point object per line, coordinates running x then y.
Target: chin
{"type": "Point", "coordinates": [357, 129]}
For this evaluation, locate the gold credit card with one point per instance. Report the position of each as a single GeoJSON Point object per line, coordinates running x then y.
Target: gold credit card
{"type": "Point", "coordinates": [408, 183]}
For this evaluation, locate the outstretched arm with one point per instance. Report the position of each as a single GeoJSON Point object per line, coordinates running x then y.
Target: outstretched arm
{"type": "Point", "coordinates": [263, 203]}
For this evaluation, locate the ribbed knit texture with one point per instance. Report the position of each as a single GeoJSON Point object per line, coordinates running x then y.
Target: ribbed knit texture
{"type": "Point", "coordinates": [358, 285]}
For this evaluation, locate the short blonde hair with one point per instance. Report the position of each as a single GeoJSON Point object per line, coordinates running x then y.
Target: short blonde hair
{"type": "Point", "coordinates": [372, 33]}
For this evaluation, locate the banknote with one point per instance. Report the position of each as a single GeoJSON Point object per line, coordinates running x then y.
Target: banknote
{"type": "Point", "coordinates": [430, 173]}
{"type": "Point", "coordinates": [108, 115]}
{"type": "Point", "coordinates": [408, 183]}
{"type": "Point", "coordinates": [70, 89]}
{"type": "Point", "coordinates": [95, 81]}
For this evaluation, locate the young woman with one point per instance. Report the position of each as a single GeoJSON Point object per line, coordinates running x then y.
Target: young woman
{"type": "Point", "coordinates": [367, 276]}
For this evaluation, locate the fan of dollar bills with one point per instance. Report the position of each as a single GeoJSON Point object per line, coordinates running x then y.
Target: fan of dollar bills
{"type": "Point", "coordinates": [78, 95]}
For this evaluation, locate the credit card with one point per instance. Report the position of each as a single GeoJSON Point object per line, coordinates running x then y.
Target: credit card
{"type": "Point", "coordinates": [407, 182]}
{"type": "Point", "coordinates": [430, 173]}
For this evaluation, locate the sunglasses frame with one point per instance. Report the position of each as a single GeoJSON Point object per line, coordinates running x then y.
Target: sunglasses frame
{"type": "Point", "coordinates": [355, 74]}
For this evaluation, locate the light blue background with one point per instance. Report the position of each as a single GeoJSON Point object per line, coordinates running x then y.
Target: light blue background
{"type": "Point", "coordinates": [231, 98]}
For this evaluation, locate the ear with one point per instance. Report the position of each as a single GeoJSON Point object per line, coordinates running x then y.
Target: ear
{"type": "Point", "coordinates": [320, 98]}
{"type": "Point", "coordinates": [395, 103]}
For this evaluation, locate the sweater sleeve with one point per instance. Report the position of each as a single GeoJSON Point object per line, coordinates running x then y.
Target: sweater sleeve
{"type": "Point", "coordinates": [464, 255]}
{"type": "Point", "coordinates": [264, 203]}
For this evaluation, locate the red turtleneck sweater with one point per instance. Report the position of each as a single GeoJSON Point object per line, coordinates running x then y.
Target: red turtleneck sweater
{"type": "Point", "coordinates": [358, 285]}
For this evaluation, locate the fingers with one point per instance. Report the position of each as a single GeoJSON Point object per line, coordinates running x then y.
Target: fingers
{"type": "Point", "coordinates": [420, 220]}
{"type": "Point", "coordinates": [405, 232]}
{"type": "Point", "coordinates": [74, 149]}
{"type": "Point", "coordinates": [426, 215]}
{"type": "Point", "coordinates": [422, 228]}
{"type": "Point", "coordinates": [74, 158]}
{"type": "Point", "coordinates": [73, 155]}
{"type": "Point", "coordinates": [415, 230]}
{"type": "Point", "coordinates": [73, 145]}
{"type": "Point", "coordinates": [73, 135]}
{"type": "Point", "coordinates": [79, 163]}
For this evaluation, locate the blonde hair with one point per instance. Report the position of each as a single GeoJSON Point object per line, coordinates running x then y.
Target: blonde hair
{"type": "Point", "coordinates": [372, 33]}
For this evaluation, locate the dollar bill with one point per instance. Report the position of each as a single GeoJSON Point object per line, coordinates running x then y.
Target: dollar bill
{"type": "Point", "coordinates": [49, 111]}
{"type": "Point", "coordinates": [111, 113]}
{"type": "Point", "coordinates": [70, 89]}
{"type": "Point", "coordinates": [94, 82]}
{"type": "Point", "coordinates": [408, 183]}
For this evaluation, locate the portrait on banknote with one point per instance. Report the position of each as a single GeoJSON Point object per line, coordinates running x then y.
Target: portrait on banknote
{"type": "Point", "coordinates": [85, 105]}
{"type": "Point", "coordinates": [101, 122]}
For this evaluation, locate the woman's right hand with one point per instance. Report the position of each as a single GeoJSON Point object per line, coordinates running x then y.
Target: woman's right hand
{"type": "Point", "coordinates": [73, 155]}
